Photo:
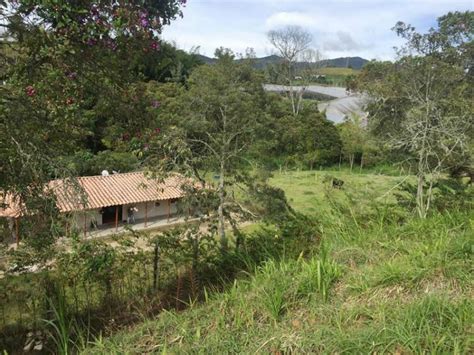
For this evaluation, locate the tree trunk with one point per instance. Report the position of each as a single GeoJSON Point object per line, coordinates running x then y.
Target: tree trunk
{"type": "Point", "coordinates": [429, 196]}
{"type": "Point", "coordinates": [299, 102]}
{"type": "Point", "coordinates": [420, 193]}
{"type": "Point", "coordinates": [238, 235]}
{"type": "Point", "coordinates": [195, 240]}
{"type": "Point", "coordinates": [156, 264]}
{"type": "Point", "coordinates": [420, 200]}
{"type": "Point", "coordinates": [351, 161]}
{"type": "Point", "coordinates": [220, 211]}
{"type": "Point", "coordinates": [291, 92]}
{"type": "Point", "coordinates": [361, 162]}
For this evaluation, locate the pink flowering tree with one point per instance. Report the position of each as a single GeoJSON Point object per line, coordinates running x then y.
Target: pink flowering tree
{"type": "Point", "coordinates": [68, 82]}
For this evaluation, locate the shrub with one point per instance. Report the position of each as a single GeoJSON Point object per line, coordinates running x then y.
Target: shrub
{"type": "Point", "coordinates": [317, 275]}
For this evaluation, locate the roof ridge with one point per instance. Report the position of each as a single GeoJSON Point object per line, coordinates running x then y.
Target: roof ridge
{"type": "Point", "coordinates": [113, 174]}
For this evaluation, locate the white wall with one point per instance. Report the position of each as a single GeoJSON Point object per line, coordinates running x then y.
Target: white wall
{"type": "Point", "coordinates": [95, 216]}
{"type": "Point", "coordinates": [152, 210]}
{"type": "Point", "coordinates": [91, 216]}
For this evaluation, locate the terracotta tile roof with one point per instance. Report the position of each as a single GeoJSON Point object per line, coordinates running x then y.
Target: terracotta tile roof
{"type": "Point", "coordinates": [8, 207]}
{"type": "Point", "coordinates": [92, 192]}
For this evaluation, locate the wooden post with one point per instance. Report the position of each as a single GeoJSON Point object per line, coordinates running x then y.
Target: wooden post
{"type": "Point", "coordinates": [146, 213]}
{"type": "Point", "coordinates": [85, 224]}
{"type": "Point", "coordinates": [116, 217]}
{"type": "Point", "coordinates": [169, 210]}
{"type": "Point", "coordinates": [17, 228]}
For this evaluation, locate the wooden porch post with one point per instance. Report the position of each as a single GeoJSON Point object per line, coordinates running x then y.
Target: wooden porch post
{"type": "Point", "coordinates": [146, 213]}
{"type": "Point", "coordinates": [116, 217]}
{"type": "Point", "coordinates": [17, 231]}
{"type": "Point", "coordinates": [169, 209]}
{"type": "Point", "coordinates": [85, 224]}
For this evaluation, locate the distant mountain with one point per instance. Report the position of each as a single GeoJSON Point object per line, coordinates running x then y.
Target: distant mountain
{"type": "Point", "coordinates": [345, 62]}
{"type": "Point", "coordinates": [206, 60]}
{"type": "Point", "coordinates": [261, 63]}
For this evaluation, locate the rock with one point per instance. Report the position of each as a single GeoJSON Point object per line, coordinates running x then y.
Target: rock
{"type": "Point", "coordinates": [29, 345]}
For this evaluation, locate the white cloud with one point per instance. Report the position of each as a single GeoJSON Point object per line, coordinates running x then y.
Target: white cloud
{"type": "Point", "coordinates": [339, 27]}
{"type": "Point", "coordinates": [343, 41]}
{"type": "Point", "coordinates": [288, 18]}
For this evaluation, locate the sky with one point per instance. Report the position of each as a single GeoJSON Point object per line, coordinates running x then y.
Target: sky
{"type": "Point", "coordinates": [340, 28]}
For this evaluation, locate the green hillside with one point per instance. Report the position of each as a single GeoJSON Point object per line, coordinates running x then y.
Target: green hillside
{"type": "Point", "coordinates": [347, 63]}
{"type": "Point", "coordinates": [381, 286]}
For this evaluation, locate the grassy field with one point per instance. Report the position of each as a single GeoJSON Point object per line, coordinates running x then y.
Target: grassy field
{"type": "Point", "coordinates": [338, 71]}
{"type": "Point", "coordinates": [394, 285]}
{"type": "Point", "coordinates": [334, 76]}
{"type": "Point", "coordinates": [337, 76]}
{"type": "Point", "coordinates": [307, 191]}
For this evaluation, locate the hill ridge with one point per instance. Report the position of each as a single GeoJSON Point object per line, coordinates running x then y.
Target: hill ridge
{"type": "Point", "coordinates": [339, 62]}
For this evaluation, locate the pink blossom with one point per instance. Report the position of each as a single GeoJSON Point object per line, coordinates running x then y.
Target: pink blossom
{"type": "Point", "coordinates": [71, 75]}
{"type": "Point", "coordinates": [30, 91]}
{"type": "Point", "coordinates": [144, 22]}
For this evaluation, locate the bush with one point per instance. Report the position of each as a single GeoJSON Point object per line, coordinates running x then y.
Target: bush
{"type": "Point", "coordinates": [448, 194]}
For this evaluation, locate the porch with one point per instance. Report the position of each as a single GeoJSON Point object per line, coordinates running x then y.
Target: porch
{"type": "Point", "coordinates": [154, 223]}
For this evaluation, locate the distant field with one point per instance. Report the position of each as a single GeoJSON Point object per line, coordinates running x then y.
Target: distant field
{"type": "Point", "coordinates": [335, 76]}
{"type": "Point", "coordinates": [339, 71]}
{"type": "Point", "coordinates": [306, 190]}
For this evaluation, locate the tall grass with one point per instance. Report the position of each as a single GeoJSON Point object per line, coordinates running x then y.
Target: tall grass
{"type": "Point", "coordinates": [390, 289]}
{"type": "Point", "coordinates": [317, 275]}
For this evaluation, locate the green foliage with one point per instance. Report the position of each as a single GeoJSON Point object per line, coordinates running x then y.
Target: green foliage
{"type": "Point", "coordinates": [169, 64]}
{"type": "Point", "coordinates": [318, 274]}
{"type": "Point", "coordinates": [447, 194]}
{"type": "Point", "coordinates": [307, 140]}
{"type": "Point", "coordinates": [355, 139]}
{"type": "Point", "coordinates": [210, 128]}
{"type": "Point", "coordinates": [396, 289]}
{"type": "Point", "coordinates": [69, 86]}
{"type": "Point", "coordinates": [371, 271]}
{"type": "Point", "coordinates": [275, 291]}
{"type": "Point", "coordinates": [422, 104]}
{"type": "Point", "coordinates": [61, 326]}
{"type": "Point", "coordinates": [85, 163]}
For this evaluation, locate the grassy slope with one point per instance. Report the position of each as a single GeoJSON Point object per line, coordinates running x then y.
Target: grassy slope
{"type": "Point", "coordinates": [396, 289]}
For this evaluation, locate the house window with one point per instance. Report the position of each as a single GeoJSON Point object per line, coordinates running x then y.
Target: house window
{"type": "Point", "coordinates": [157, 204]}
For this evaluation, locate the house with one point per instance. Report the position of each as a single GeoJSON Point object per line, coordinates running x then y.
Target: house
{"type": "Point", "coordinates": [107, 201]}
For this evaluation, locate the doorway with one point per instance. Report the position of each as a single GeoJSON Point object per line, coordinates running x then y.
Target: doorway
{"type": "Point", "coordinates": [108, 214]}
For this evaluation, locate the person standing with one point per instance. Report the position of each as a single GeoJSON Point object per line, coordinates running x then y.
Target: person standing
{"type": "Point", "coordinates": [131, 214]}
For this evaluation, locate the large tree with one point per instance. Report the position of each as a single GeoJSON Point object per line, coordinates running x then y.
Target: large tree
{"type": "Point", "coordinates": [68, 74]}
{"type": "Point", "coordinates": [422, 103]}
{"type": "Point", "coordinates": [219, 117]}
{"type": "Point", "coordinates": [298, 61]}
{"type": "Point", "coordinates": [354, 139]}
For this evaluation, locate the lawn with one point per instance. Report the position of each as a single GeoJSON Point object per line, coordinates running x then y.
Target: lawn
{"type": "Point", "coordinates": [390, 286]}
{"type": "Point", "coordinates": [307, 191]}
